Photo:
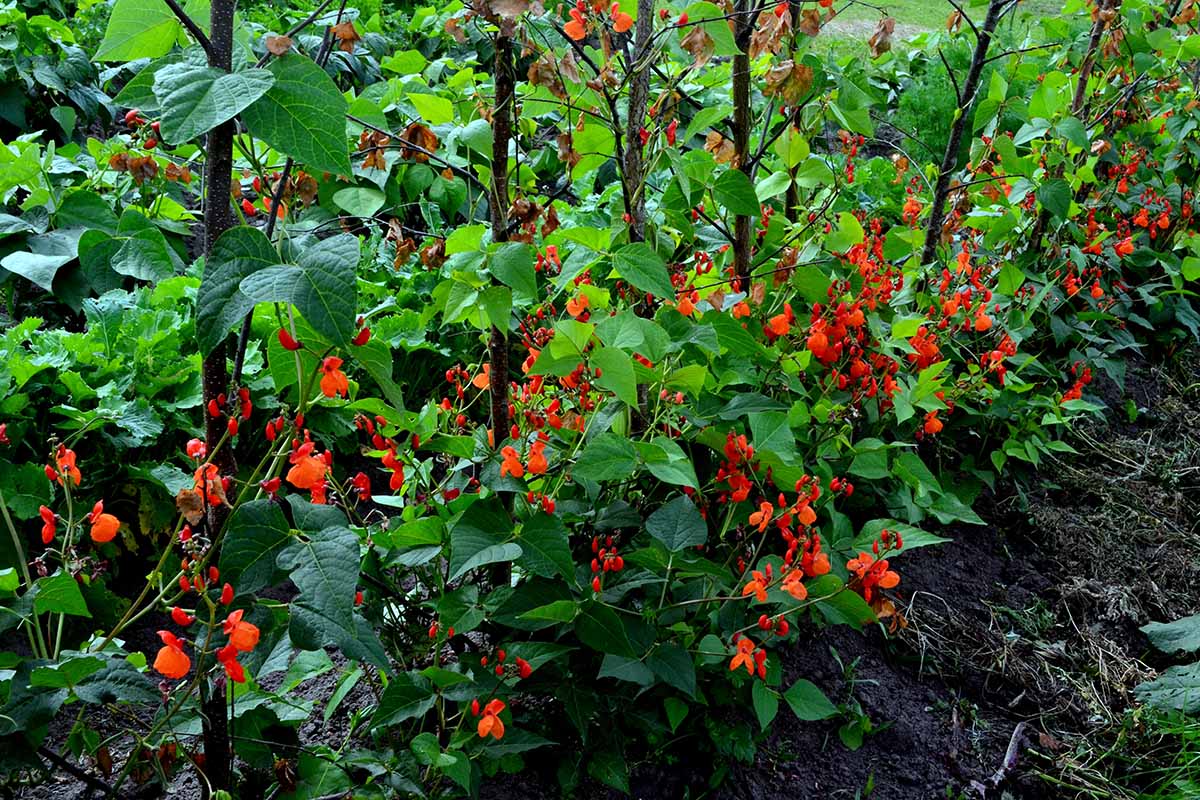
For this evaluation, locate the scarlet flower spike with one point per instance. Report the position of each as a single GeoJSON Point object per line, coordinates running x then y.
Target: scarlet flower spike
{"type": "Point", "coordinates": [286, 339]}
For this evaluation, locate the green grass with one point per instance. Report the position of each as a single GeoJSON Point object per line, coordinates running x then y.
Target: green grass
{"type": "Point", "coordinates": [932, 13]}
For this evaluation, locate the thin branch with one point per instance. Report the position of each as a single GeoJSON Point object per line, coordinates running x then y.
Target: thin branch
{"type": "Point", "coordinates": [954, 80]}
{"type": "Point", "coordinates": [66, 766]}
{"type": "Point", "coordinates": [966, 18]}
{"type": "Point", "coordinates": [299, 26]}
{"type": "Point", "coordinates": [197, 33]}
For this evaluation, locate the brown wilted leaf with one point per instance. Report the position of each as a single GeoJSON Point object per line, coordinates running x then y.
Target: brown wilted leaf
{"type": "Point", "coordinates": [550, 221]}
{"type": "Point", "coordinates": [569, 67]}
{"type": "Point", "coordinates": [279, 45]}
{"type": "Point", "coordinates": [304, 186]}
{"type": "Point", "coordinates": [524, 211]}
{"type": "Point", "coordinates": [143, 169]}
{"type": "Point", "coordinates": [119, 162]}
{"type": "Point", "coordinates": [789, 81]}
{"type": "Point", "coordinates": [420, 136]}
{"type": "Point", "coordinates": [434, 255]}
{"type": "Point", "coordinates": [190, 504]}
{"type": "Point", "coordinates": [1186, 15]}
{"type": "Point", "coordinates": [716, 299]}
{"type": "Point", "coordinates": [810, 22]}
{"type": "Point", "coordinates": [1101, 146]}
{"type": "Point", "coordinates": [770, 30]}
{"type": "Point", "coordinates": [104, 761]}
{"type": "Point", "coordinates": [175, 172]}
{"type": "Point", "coordinates": [455, 30]}
{"type": "Point", "coordinates": [722, 149]}
{"type": "Point", "coordinates": [699, 45]}
{"type": "Point", "coordinates": [954, 22]}
{"type": "Point", "coordinates": [544, 72]}
{"type": "Point", "coordinates": [881, 40]}
{"type": "Point", "coordinates": [509, 9]}
{"type": "Point", "coordinates": [347, 36]}
{"type": "Point", "coordinates": [758, 292]}
{"type": "Point", "coordinates": [566, 150]}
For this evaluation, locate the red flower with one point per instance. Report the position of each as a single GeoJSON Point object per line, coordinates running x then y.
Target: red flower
{"type": "Point", "coordinates": [242, 635]}
{"type": "Point", "coordinates": [104, 526]}
{"type": "Point", "coordinates": [756, 586]}
{"type": "Point", "coordinates": [511, 464]}
{"type": "Point", "coordinates": [181, 617]}
{"type": "Point", "coordinates": [288, 341]}
{"type": "Point", "coordinates": [576, 28]}
{"type": "Point", "coordinates": [196, 449]}
{"type": "Point", "coordinates": [171, 661]}
{"type": "Point", "coordinates": [49, 524]}
{"type": "Point", "coordinates": [490, 723]}
{"type": "Point", "coordinates": [333, 380]}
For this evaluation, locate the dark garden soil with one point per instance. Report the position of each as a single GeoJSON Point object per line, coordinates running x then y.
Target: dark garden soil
{"type": "Point", "coordinates": [1019, 657]}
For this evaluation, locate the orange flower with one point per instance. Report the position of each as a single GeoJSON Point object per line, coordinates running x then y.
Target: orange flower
{"type": "Point", "coordinates": [207, 479]}
{"type": "Point", "coordinates": [740, 309]}
{"type": "Point", "coordinates": [756, 586]}
{"type": "Point", "coordinates": [792, 584]}
{"type": "Point", "coordinates": [576, 28]}
{"type": "Point", "coordinates": [49, 524]}
{"type": "Point", "coordinates": [1125, 246]}
{"type": "Point", "coordinates": [933, 425]}
{"type": "Point", "coordinates": [685, 305]}
{"type": "Point", "coordinates": [537, 458]}
{"type": "Point", "coordinates": [778, 325]}
{"type": "Point", "coordinates": [511, 465]}
{"type": "Point", "coordinates": [912, 209]}
{"type": "Point", "coordinates": [982, 320]}
{"type": "Point", "coordinates": [762, 517]}
{"type": "Point", "coordinates": [171, 661]}
{"type": "Point", "coordinates": [578, 305]}
{"type": "Point", "coordinates": [490, 723]}
{"type": "Point", "coordinates": [227, 655]}
{"type": "Point", "coordinates": [744, 656]}
{"type": "Point", "coordinates": [870, 573]}
{"type": "Point", "coordinates": [333, 380]}
{"type": "Point", "coordinates": [65, 458]}
{"type": "Point", "coordinates": [484, 379]}
{"type": "Point", "coordinates": [805, 514]}
{"type": "Point", "coordinates": [621, 21]}
{"type": "Point", "coordinates": [242, 635]}
{"type": "Point", "coordinates": [104, 526]}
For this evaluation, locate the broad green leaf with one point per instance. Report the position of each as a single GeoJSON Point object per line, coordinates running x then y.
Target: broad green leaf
{"type": "Point", "coordinates": [256, 533]}
{"type": "Point", "coordinates": [644, 269]}
{"type": "Point", "coordinates": [849, 232]}
{"type": "Point", "coordinates": [1176, 689]}
{"type": "Point", "coordinates": [220, 302]}
{"type": "Point", "coordinates": [59, 594]}
{"type": "Point", "coordinates": [766, 703]}
{"type": "Point", "coordinates": [673, 665]}
{"type": "Point", "coordinates": [606, 458]}
{"type": "Point", "coordinates": [678, 524]}
{"type": "Point", "coordinates": [303, 115]}
{"type": "Point", "coordinates": [433, 109]}
{"type": "Point", "coordinates": [1182, 635]}
{"type": "Point", "coordinates": [911, 537]}
{"type": "Point", "coordinates": [512, 264]}
{"type": "Point", "coordinates": [1055, 197]}
{"type": "Point", "coordinates": [545, 547]}
{"type": "Point", "coordinates": [666, 461]}
{"type": "Point", "coordinates": [49, 252]}
{"type": "Point", "coordinates": [322, 287]}
{"type": "Point", "coordinates": [735, 193]}
{"type": "Point", "coordinates": [196, 98]}
{"type": "Point", "coordinates": [616, 373]}
{"type": "Point", "coordinates": [602, 629]}
{"type": "Point", "coordinates": [138, 29]}
{"type": "Point", "coordinates": [808, 702]}
{"type": "Point", "coordinates": [406, 696]}
{"type": "Point", "coordinates": [482, 536]}
{"type": "Point", "coordinates": [359, 201]}
{"type": "Point", "coordinates": [323, 564]}
{"type": "Point", "coordinates": [609, 767]}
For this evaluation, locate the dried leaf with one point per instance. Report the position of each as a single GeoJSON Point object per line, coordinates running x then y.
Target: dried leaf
{"type": "Point", "coordinates": [347, 35]}
{"type": "Point", "coordinates": [278, 45]}
{"type": "Point", "coordinates": [881, 40]}
{"type": "Point", "coordinates": [544, 72]}
{"type": "Point", "coordinates": [550, 221]}
{"type": "Point", "coordinates": [772, 27]}
{"type": "Point", "coordinates": [954, 22]}
{"type": "Point", "coordinates": [810, 22]}
{"type": "Point", "coordinates": [758, 292]}
{"type": "Point", "coordinates": [699, 45]}
{"type": "Point", "coordinates": [143, 169]}
{"type": "Point", "coordinates": [190, 504]}
{"type": "Point", "coordinates": [716, 299]}
{"type": "Point", "coordinates": [420, 136]}
{"type": "Point", "coordinates": [722, 149]}
{"type": "Point", "coordinates": [455, 30]}
{"type": "Point", "coordinates": [789, 81]}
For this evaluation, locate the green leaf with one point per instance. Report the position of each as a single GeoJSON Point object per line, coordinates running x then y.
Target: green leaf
{"type": "Point", "coordinates": [323, 287]}
{"type": "Point", "coordinates": [1173, 637]}
{"type": "Point", "coordinates": [196, 98]}
{"type": "Point", "coordinates": [480, 537]}
{"type": "Point", "coordinates": [545, 547]}
{"type": "Point", "coordinates": [678, 525]}
{"type": "Point", "coordinates": [600, 628]}
{"type": "Point", "coordinates": [644, 269]}
{"type": "Point", "coordinates": [220, 302]}
{"type": "Point", "coordinates": [912, 537]}
{"type": "Point", "coordinates": [666, 461]}
{"type": "Point", "coordinates": [1176, 689]}
{"type": "Point", "coordinates": [808, 702]}
{"type": "Point", "coordinates": [407, 696]}
{"type": "Point", "coordinates": [49, 252]}
{"type": "Point", "coordinates": [257, 532]}
{"type": "Point", "coordinates": [849, 232]}
{"type": "Point", "coordinates": [766, 703]}
{"type": "Point", "coordinates": [609, 767]}
{"type": "Point", "coordinates": [433, 109]}
{"type": "Point", "coordinates": [303, 115]}
{"type": "Point", "coordinates": [616, 373]}
{"type": "Point", "coordinates": [359, 201]}
{"type": "Point", "coordinates": [59, 594]}
{"type": "Point", "coordinates": [558, 611]}
{"type": "Point", "coordinates": [1055, 197]}
{"type": "Point", "coordinates": [138, 29]}
{"type": "Point", "coordinates": [605, 458]}
{"type": "Point", "coordinates": [734, 191]}
{"type": "Point", "coordinates": [673, 665]}
{"type": "Point", "coordinates": [323, 563]}
{"type": "Point", "coordinates": [512, 264]}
